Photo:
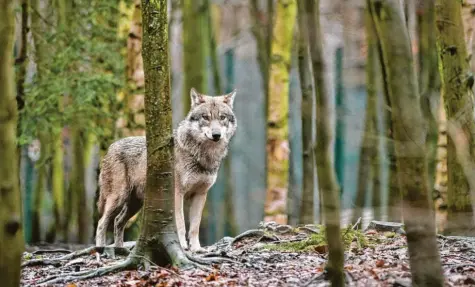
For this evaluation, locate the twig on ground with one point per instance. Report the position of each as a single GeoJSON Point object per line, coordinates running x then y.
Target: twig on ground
{"type": "Point", "coordinates": [209, 260]}
{"type": "Point", "coordinates": [356, 224]}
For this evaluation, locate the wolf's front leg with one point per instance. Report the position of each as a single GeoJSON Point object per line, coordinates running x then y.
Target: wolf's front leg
{"type": "Point", "coordinates": [196, 209]}
{"type": "Point", "coordinates": [180, 219]}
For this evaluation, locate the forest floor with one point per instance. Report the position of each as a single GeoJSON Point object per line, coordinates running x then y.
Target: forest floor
{"type": "Point", "coordinates": [274, 255]}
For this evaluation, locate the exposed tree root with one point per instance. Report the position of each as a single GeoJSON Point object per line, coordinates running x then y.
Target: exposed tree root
{"type": "Point", "coordinates": [248, 233]}
{"type": "Point", "coordinates": [209, 260]}
{"type": "Point", "coordinates": [129, 263]}
{"type": "Point", "coordinates": [37, 252]}
{"type": "Point", "coordinates": [90, 250]}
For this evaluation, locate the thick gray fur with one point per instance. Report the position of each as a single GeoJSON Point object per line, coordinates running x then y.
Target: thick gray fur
{"type": "Point", "coordinates": [200, 143]}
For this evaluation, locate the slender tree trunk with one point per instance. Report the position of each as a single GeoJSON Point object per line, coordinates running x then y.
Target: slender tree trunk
{"type": "Point", "coordinates": [158, 240]}
{"type": "Point", "coordinates": [327, 183]}
{"type": "Point", "coordinates": [132, 122]}
{"type": "Point", "coordinates": [278, 106]}
{"type": "Point", "coordinates": [457, 83]}
{"type": "Point", "coordinates": [37, 31]}
{"type": "Point", "coordinates": [394, 193]}
{"type": "Point", "coordinates": [369, 145]}
{"type": "Point", "coordinates": [306, 207]}
{"type": "Point", "coordinates": [410, 136]}
{"type": "Point", "coordinates": [78, 188]}
{"type": "Point", "coordinates": [441, 174]}
{"type": "Point", "coordinates": [374, 80]}
{"type": "Point", "coordinates": [11, 235]}
{"type": "Point", "coordinates": [194, 52]}
{"type": "Point", "coordinates": [263, 34]}
{"type": "Point", "coordinates": [429, 83]}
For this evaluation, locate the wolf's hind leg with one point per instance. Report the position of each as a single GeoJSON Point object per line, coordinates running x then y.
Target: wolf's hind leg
{"type": "Point", "coordinates": [129, 210]}
{"type": "Point", "coordinates": [110, 211]}
{"type": "Point", "coordinates": [180, 219]}
{"type": "Point", "coordinates": [196, 210]}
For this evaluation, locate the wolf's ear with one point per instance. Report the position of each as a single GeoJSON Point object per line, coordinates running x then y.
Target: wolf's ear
{"type": "Point", "coordinates": [229, 98]}
{"type": "Point", "coordinates": [196, 98]}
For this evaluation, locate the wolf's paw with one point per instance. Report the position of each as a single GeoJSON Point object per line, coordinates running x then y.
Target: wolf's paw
{"type": "Point", "coordinates": [198, 249]}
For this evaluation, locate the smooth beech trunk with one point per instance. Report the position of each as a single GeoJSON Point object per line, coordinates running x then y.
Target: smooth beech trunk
{"type": "Point", "coordinates": [410, 137]}
{"type": "Point", "coordinates": [11, 234]}
{"type": "Point", "coordinates": [278, 105]}
{"type": "Point", "coordinates": [305, 74]}
{"type": "Point", "coordinates": [457, 82]}
{"type": "Point", "coordinates": [327, 184]}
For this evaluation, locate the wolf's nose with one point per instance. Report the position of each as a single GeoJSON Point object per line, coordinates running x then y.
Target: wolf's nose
{"type": "Point", "coordinates": [216, 136]}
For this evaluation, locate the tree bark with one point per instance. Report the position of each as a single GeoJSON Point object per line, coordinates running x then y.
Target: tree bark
{"type": "Point", "coordinates": [158, 240]}
{"type": "Point", "coordinates": [327, 183]}
{"type": "Point", "coordinates": [263, 34]}
{"type": "Point", "coordinates": [394, 192]}
{"type": "Point", "coordinates": [369, 144]}
{"type": "Point", "coordinates": [457, 82]}
{"type": "Point", "coordinates": [11, 235]}
{"type": "Point", "coordinates": [194, 52]}
{"type": "Point", "coordinates": [410, 136]}
{"type": "Point", "coordinates": [43, 135]}
{"type": "Point", "coordinates": [278, 107]}
{"type": "Point", "coordinates": [429, 83]}
{"type": "Point", "coordinates": [307, 203]}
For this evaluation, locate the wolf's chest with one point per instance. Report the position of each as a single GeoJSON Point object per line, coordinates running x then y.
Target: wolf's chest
{"type": "Point", "coordinates": [197, 182]}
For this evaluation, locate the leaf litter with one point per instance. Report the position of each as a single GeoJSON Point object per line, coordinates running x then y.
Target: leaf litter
{"type": "Point", "coordinates": [274, 255]}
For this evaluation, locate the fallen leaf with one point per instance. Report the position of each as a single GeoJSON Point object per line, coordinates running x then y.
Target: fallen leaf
{"type": "Point", "coordinates": [379, 263]}
{"type": "Point", "coordinates": [211, 277]}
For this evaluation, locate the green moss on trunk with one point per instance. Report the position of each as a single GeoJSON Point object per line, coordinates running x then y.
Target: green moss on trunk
{"type": "Point", "coordinates": [11, 234]}
{"type": "Point", "coordinates": [410, 136]}
{"type": "Point", "coordinates": [278, 100]}
{"type": "Point", "coordinates": [429, 81]}
{"type": "Point", "coordinates": [457, 82]}
{"type": "Point", "coordinates": [158, 240]}
{"type": "Point", "coordinates": [307, 202]}
{"type": "Point", "coordinates": [194, 52]}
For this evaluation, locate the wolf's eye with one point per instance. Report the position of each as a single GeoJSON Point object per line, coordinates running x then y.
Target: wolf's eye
{"type": "Point", "coordinates": [205, 117]}
{"type": "Point", "coordinates": [222, 117]}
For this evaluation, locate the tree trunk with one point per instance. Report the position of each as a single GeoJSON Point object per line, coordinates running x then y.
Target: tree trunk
{"type": "Point", "coordinates": [441, 174]}
{"type": "Point", "coordinates": [158, 240]}
{"type": "Point", "coordinates": [132, 121]}
{"type": "Point", "coordinates": [429, 83]}
{"type": "Point", "coordinates": [394, 192]}
{"type": "Point", "coordinates": [11, 235]}
{"type": "Point", "coordinates": [457, 82]}
{"type": "Point", "coordinates": [37, 30]}
{"type": "Point", "coordinates": [278, 109]}
{"type": "Point", "coordinates": [369, 144]}
{"type": "Point", "coordinates": [194, 52]}
{"type": "Point", "coordinates": [327, 183]}
{"type": "Point", "coordinates": [263, 34]}
{"type": "Point", "coordinates": [307, 203]}
{"type": "Point", "coordinates": [409, 136]}
{"type": "Point", "coordinates": [78, 188]}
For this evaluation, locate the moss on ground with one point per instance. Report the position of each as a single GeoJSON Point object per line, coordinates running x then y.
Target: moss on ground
{"type": "Point", "coordinates": [317, 241]}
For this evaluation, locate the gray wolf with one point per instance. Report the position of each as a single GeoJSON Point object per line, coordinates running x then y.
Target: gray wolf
{"type": "Point", "coordinates": [201, 142]}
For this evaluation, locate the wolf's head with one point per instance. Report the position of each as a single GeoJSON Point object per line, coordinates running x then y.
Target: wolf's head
{"type": "Point", "coordinates": [211, 119]}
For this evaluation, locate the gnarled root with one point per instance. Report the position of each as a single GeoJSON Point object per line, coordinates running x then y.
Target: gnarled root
{"type": "Point", "coordinates": [90, 250]}
{"type": "Point", "coordinates": [129, 263]}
